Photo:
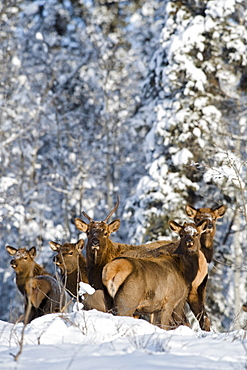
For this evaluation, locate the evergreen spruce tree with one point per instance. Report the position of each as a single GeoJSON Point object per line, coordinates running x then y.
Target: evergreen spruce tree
{"type": "Point", "coordinates": [196, 85]}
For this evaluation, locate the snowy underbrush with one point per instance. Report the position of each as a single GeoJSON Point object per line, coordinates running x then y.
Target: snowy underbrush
{"type": "Point", "coordinates": [96, 340]}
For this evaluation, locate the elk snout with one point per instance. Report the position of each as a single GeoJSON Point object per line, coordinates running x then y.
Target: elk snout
{"type": "Point", "coordinates": [13, 264]}
{"type": "Point", "coordinates": [95, 243]}
{"type": "Point", "coordinates": [210, 226]}
{"type": "Point", "coordinates": [189, 241]}
{"type": "Point", "coordinates": [56, 260]}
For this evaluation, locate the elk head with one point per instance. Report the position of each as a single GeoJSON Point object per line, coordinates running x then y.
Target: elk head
{"type": "Point", "coordinates": [206, 214]}
{"type": "Point", "coordinates": [98, 232]}
{"type": "Point", "coordinates": [189, 235]}
{"type": "Point", "coordinates": [22, 258]}
{"type": "Point", "coordinates": [67, 255]}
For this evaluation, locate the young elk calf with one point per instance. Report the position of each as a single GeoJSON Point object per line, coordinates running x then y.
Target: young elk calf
{"type": "Point", "coordinates": [158, 285]}
{"type": "Point", "coordinates": [73, 271]}
{"type": "Point", "coordinates": [40, 290]}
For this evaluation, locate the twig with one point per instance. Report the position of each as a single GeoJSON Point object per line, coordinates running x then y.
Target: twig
{"type": "Point", "coordinates": [27, 313]}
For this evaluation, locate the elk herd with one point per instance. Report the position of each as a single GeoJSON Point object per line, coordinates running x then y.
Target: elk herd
{"type": "Point", "coordinates": [157, 281]}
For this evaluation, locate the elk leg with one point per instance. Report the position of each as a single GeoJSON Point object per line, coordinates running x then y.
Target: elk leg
{"type": "Point", "coordinates": [155, 318]}
{"type": "Point", "coordinates": [196, 301]}
{"type": "Point", "coordinates": [123, 306]}
{"type": "Point", "coordinates": [179, 316]}
{"type": "Point", "coordinates": [108, 300]}
{"type": "Point", "coordinates": [30, 313]}
{"type": "Point", "coordinates": [127, 299]}
{"type": "Point", "coordinates": [165, 317]}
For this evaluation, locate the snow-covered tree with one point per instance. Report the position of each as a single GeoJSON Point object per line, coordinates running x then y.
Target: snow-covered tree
{"type": "Point", "coordinates": [69, 82]}
{"type": "Point", "coordinates": [196, 88]}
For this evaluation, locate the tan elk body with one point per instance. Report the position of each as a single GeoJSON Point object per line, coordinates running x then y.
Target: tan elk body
{"type": "Point", "coordinates": [156, 285]}
{"type": "Point", "coordinates": [101, 249]}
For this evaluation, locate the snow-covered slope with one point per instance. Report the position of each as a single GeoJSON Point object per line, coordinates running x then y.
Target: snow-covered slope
{"type": "Point", "coordinates": [95, 340]}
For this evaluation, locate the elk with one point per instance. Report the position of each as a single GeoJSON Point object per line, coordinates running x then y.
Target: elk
{"type": "Point", "coordinates": [40, 290]}
{"type": "Point", "coordinates": [100, 249]}
{"type": "Point", "coordinates": [159, 284]}
{"type": "Point", "coordinates": [197, 296]}
{"type": "Point", "coordinates": [211, 215]}
{"type": "Point", "coordinates": [72, 265]}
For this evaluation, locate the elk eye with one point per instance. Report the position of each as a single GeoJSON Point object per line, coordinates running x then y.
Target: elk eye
{"type": "Point", "coordinates": [70, 253]}
{"type": "Point", "coordinates": [25, 258]}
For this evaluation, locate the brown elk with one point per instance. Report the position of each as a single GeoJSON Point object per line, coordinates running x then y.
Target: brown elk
{"type": "Point", "coordinates": [211, 215]}
{"type": "Point", "coordinates": [35, 284]}
{"type": "Point", "coordinates": [197, 296]}
{"type": "Point", "coordinates": [71, 263]}
{"type": "Point", "coordinates": [73, 271]}
{"type": "Point", "coordinates": [157, 285]}
{"type": "Point", "coordinates": [101, 249]}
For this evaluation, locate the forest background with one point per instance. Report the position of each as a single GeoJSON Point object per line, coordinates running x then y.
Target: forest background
{"type": "Point", "coordinates": [145, 100]}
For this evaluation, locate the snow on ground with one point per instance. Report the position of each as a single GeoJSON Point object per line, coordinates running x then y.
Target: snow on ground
{"type": "Point", "coordinates": [94, 340]}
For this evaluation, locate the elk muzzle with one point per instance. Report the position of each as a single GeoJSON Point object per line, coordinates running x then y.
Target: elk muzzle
{"type": "Point", "coordinates": [13, 264]}
{"type": "Point", "coordinates": [56, 260]}
{"type": "Point", "coordinates": [191, 245]}
{"type": "Point", "coordinates": [210, 226]}
{"type": "Point", "coordinates": [189, 241]}
{"type": "Point", "coordinates": [95, 243]}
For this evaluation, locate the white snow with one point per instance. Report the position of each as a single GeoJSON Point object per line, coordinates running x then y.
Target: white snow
{"type": "Point", "coordinates": [94, 340]}
{"type": "Point", "coordinates": [190, 230]}
{"type": "Point", "coordinates": [86, 288]}
{"type": "Point", "coordinates": [182, 157]}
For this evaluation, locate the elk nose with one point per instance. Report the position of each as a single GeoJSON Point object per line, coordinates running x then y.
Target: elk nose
{"type": "Point", "coordinates": [13, 264]}
{"type": "Point", "coordinates": [55, 260]}
{"type": "Point", "coordinates": [95, 241]}
{"type": "Point", "coordinates": [189, 241]}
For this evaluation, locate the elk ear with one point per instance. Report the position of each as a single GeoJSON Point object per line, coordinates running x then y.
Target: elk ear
{"type": "Point", "coordinates": [114, 225]}
{"type": "Point", "coordinates": [54, 246]}
{"type": "Point", "coordinates": [81, 225]}
{"type": "Point", "coordinates": [80, 245]}
{"type": "Point", "coordinates": [175, 226]}
{"type": "Point", "coordinates": [32, 251]}
{"type": "Point", "coordinates": [11, 250]}
{"type": "Point", "coordinates": [202, 227]}
{"type": "Point", "coordinates": [190, 211]}
{"type": "Point", "coordinates": [220, 211]}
